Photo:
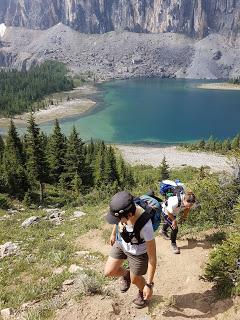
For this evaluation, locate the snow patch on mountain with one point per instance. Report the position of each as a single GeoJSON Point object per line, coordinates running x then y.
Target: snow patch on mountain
{"type": "Point", "coordinates": [2, 29]}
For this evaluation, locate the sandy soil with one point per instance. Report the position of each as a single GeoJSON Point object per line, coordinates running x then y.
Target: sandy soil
{"type": "Point", "coordinates": [179, 294]}
{"type": "Point", "coordinates": [78, 105]}
{"type": "Point", "coordinates": [174, 156]}
{"type": "Point", "coordinates": [219, 86]}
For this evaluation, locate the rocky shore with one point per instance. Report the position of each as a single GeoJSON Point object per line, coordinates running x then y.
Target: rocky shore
{"type": "Point", "coordinates": [66, 104]}
{"type": "Point", "coordinates": [219, 86]}
{"type": "Point", "coordinates": [176, 158]}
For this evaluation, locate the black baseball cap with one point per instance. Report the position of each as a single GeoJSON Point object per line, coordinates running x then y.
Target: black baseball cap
{"type": "Point", "coordinates": [120, 203]}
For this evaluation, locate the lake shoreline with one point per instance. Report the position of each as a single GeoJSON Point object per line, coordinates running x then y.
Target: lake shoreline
{"type": "Point", "coordinates": [219, 86]}
{"type": "Point", "coordinates": [175, 157]}
{"type": "Point", "coordinates": [81, 104]}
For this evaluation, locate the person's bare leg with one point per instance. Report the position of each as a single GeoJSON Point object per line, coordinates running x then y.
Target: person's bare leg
{"type": "Point", "coordinates": [113, 268]}
{"type": "Point", "coordinates": [139, 281]}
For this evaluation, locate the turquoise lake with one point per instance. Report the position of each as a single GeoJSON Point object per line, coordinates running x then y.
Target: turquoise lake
{"type": "Point", "coordinates": [158, 111]}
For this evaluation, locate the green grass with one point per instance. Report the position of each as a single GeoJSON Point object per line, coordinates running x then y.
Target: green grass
{"type": "Point", "coordinates": [39, 314]}
{"type": "Point", "coordinates": [43, 247]}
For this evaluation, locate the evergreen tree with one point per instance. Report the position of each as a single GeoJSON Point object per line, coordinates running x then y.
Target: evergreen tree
{"type": "Point", "coordinates": [77, 184]}
{"type": "Point", "coordinates": [21, 91]}
{"type": "Point", "coordinates": [74, 159]}
{"type": "Point", "coordinates": [226, 145]}
{"type": "Point", "coordinates": [110, 171]}
{"type": "Point", "coordinates": [99, 166]}
{"type": "Point", "coordinates": [218, 145]}
{"type": "Point", "coordinates": [88, 173]}
{"type": "Point", "coordinates": [56, 153]}
{"type": "Point", "coordinates": [164, 170]}
{"type": "Point", "coordinates": [27, 199]}
{"type": "Point", "coordinates": [35, 159]}
{"type": "Point", "coordinates": [13, 165]}
{"type": "Point", "coordinates": [125, 175]}
{"type": "Point", "coordinates": [210, 144]}
{"type": "Point", "coordinates": [1, 148]}
{"type": "Point", "coordinates": [91, 147]}
{"type": "Point", "coordinates": [1, 168]}
{"type": "Point", "coordinates": [235, 143]}
{"type": "Point", "coordinates": [201, 144]}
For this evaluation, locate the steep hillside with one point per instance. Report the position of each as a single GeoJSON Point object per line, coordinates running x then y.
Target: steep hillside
{"type": "Point", "coordinates": [122, 54]}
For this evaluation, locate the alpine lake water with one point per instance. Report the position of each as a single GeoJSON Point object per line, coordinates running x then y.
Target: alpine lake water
{"type": "Point", "coordinates": [157, 111]}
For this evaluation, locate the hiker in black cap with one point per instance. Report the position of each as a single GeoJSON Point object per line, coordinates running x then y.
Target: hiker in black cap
{"type": "Point", "coordinates": [138, 248]}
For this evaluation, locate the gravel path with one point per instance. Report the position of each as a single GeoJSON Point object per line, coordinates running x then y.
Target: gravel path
{"type": "Point", "coordinates": [175, 157]}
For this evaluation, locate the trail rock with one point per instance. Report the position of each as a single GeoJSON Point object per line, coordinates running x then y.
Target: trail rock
{"type": "Point", "coordinates": [68, 282]}
{"type": "Point", "coordinates": [5, 217]}
{"type": "Point", "coordinates": [12, 211]}
{"type": "Point", "coordinates": [6, 313]}
{"type": "Point", "coordinates": [8, 249]}
{"type": "Point", "coordinates": [74, 268]}
{"type": "Point", "coordinates": [78, 214]}
{"type": "Point", "coordinates": [54, 215]}
{"type": "Point", "coordinates": [59, 270]}
{"type": "Point", "coordinates": [82, 253]}
{"type": "Point", "coordinates": [30, 221]}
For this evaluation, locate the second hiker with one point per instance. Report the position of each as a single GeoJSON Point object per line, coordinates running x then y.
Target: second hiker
{"type": "Point", "coordinates": [182, 202]}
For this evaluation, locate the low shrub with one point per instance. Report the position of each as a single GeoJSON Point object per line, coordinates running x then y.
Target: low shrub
{"type": "Point", "coordinates": [223, 267]}
{"type": "Point", "coordinates": [215, 201]}
{"type": "Point", "coordinates": [4, 201]}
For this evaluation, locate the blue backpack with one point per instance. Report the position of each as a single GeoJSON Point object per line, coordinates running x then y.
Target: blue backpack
{"type": "Point", "coordinates": [153, 207]}
{"type": "Point", "coordinates": [169, 188]}
{"type": "Point", "coordinates": [152, 210]}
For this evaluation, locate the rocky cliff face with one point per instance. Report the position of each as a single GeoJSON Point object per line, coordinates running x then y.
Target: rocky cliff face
{"type": "Point", "coordinates": [195, 18]}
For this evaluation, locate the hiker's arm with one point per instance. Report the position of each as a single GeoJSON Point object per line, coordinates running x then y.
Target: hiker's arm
{"type": "Point", "coordinates": [184, 215]}
{"type": "Point", "coordinates": [152, 262]}
{"type": "Point", "coordinates": [173, 218]}
{"type": "Point", "coordinates": [113, 235]}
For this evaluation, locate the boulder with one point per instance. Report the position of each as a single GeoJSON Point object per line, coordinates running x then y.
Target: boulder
{"type": "Point", "coordinates": [136, 59]}
{"type": "Point", "coordinates": [28, 222]}
{"type": "Point", "coordinates": [74, 268]}
{"type": "Point", "coordinates": [8, 249]}
{"type": "Point", "coordinates": [78, 214]}
{"type": "Point", "coordinates": [68, 282]}
{"type": "Point", "coordinates": [6, 313]}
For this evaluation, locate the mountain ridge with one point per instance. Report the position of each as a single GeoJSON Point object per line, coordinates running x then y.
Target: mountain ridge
{"type": "Point", "coordinates": [194, 18]}
{"type": "Point", "coordinates": [121, 55]}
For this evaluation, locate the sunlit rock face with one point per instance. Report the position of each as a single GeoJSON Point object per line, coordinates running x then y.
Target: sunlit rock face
{"type": "Point", "coordinates": [195, 18]}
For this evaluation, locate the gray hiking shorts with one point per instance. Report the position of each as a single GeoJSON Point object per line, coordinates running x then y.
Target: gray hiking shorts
{"type": "Point", "coordinates": [138, 264]}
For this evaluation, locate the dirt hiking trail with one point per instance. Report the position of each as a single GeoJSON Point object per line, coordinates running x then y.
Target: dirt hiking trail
{"type": "Point", "coordinates": [179, 294]}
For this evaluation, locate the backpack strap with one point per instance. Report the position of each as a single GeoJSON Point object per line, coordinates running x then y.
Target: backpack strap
{"type": "Point", "coordinates": [140, 223]}
{"type": "Point", "coordinates": [179, 199]}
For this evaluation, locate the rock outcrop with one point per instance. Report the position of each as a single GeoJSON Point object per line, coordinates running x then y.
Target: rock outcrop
{"type": "Point", "coordinates": [122, 54]}
{"type": "Point", "coordinates": [195, 18]}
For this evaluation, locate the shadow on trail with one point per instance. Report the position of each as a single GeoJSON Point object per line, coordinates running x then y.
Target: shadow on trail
{"type": "Point", "coordinates": [198, 305]}
{"type": "Point", "coordinates": [156, 300]}
{"type": "Point", "coordinates": [208, 242]}
{"type": "Point", "coordinates": [192, 243]}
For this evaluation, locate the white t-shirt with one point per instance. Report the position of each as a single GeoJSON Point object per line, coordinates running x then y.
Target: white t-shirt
{"type": "Point", "coordinates": [172, 205]}
{"type": "Point", "coordinates": [146, 234]}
